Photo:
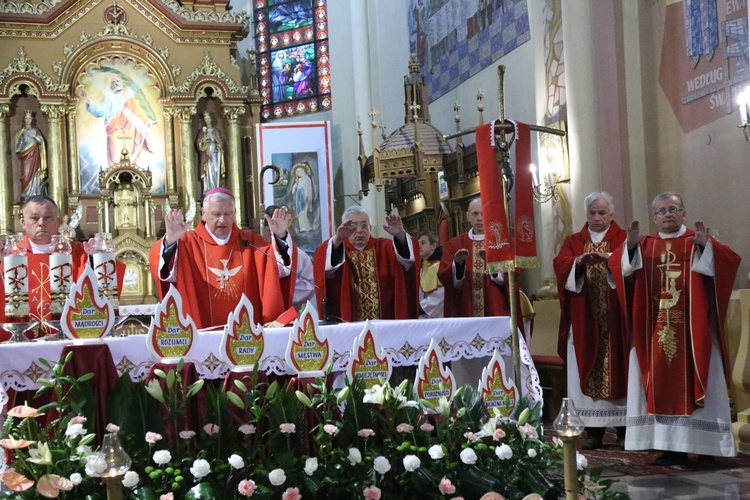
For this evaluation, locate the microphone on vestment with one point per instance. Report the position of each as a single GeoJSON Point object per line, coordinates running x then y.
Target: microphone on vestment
{"type": "Point", "coordinates": [327, 320]}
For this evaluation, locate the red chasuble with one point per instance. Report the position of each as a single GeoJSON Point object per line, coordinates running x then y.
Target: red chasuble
{"type": "Point", "coordinates": [672, 312]}
{"type": "Point", "coordinates": [371, 284]}
{"type": "Point", "coordinates": [211, 278]}
{"type": "Point", "coordinates": [599, 334]}
{"type": "Point", "coordinates": [479, 296]}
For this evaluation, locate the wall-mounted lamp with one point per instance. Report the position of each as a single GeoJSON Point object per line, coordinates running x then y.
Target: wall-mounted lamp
{"type": "Point", "coordinates": [553, 168]}
{"type": "Point", "coordinates": [743, 101]}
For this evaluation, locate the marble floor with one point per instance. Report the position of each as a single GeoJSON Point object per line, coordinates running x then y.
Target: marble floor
{"type": "Point", "coordinates": [727, 483]}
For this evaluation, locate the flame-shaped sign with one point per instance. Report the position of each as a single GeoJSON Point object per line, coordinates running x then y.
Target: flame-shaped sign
{"type": "Point", "coordinates": [364, 362]}
{"type": "Point", "coordinates": [434, 380]}
{"type": "Point", "coordinates": [85, 314]}
{"type": "Point", "coordinates": [308, 352]}
{"type": "Point", "coordinates": [496, 389]}
{"type": "Point", "coordinates": [171, 333]}
{"type": "Point", "coordinates": [243, 340]}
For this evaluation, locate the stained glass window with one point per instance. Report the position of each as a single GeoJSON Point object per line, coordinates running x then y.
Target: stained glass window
{"type": "Point", "coordinates": [291, 39]}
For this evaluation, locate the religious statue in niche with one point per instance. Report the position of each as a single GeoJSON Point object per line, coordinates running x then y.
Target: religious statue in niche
{"type": "Point", "coordinates": [126, 200]}
{"type": "Point", "coordinates": [31, 149]}
{"type": "Point", "coordinates": [210, 144]}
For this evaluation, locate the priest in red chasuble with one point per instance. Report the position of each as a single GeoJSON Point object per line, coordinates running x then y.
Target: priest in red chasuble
{"type": "Point", "coordinates": [41, 221]}
{"type": "Point", "coordinates": [469, 290]}
{"type": "Point", "coordinates": [675, 287]}
{"type": "Point", "coordinates": [363, 277]}
{"type": "Point", "coordinates": [593, 340]}
{"type": "Point", "coordinates": [216, 263]}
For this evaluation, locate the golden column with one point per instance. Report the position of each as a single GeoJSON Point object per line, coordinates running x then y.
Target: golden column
{"type": "Point", "coordinates": [236, 173]}
{"type": "Point", "coordinates": [55, 154]}
{"type": "Point", "coordinates": [189, 174]}
{"type": "Point", "coordinates": [6, 174]}
{"type": "Point", "coordinates": [169, 113]}
{"type": "Point", "coordinates": [74, 173]}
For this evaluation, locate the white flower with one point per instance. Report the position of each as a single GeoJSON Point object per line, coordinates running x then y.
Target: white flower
{"type": "Point", "coordinates": [411, 463]}
{"type": "Point", "coordinates": [376, 395]}
{"type": "Point", "coordinates": [581, 461]}
{"type": "Point", "coordinates": [504, 452]}
{"type": "Point", "coordinates": [236, 461]}
{"type": "Point", "coordinates": [162, 457]}
{"type": "Point", "coordinates": [40, 455]}
{"type": "Point", "coordinates": [436, 452]}
{"type": "Point", "coordinates": [311, 465]}
{"type": "Point", "coordinates": [444, 407]}
{"type": "Point", "coordinates": [84, 451]}
{"type": "Point", "coordinates": [76, 479]}
{"type": "Point", "coordinates": [354, 456]}
{"type": "Point", "coordinates": [532, 453]}
{"type": "Point", "coordinates": [381, 465]}
{"type": "Point", "coordinates": [468, 456]}
{"type": "Point", "coordinates": [94, 466]}
{"type": "Point", "coordinates": [200, 469]}
{"type": "Point", "coordinates": [131, 479]}
{"type": "Point", "coordinates": [75, 430]}
{"type": "Point", "coordinates": [277, 477]}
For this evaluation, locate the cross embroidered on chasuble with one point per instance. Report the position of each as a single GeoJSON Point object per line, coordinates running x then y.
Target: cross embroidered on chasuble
{"type": "Point", "coordinates": [365, 293]}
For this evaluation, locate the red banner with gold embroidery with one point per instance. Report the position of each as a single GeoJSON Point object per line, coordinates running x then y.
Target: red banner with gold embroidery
{"type": "Point", "coordinates": [524, 236]}
{"type": "Point", "coordinates": [499, 255]}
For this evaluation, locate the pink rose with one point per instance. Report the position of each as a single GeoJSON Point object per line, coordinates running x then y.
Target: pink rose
{"type": "Point", "coordinates": [78, 420]}
{"type": "Point", "coordinates": [366, 433]}
{"type": "Point", "coordinates": [445, 487]}
{"type": "Point", "coordinates": [211, 429]}
{"type": "Point", "coordinates": [112, 428]}
{"type": "Point", "coordinates": [247, 429]}
{"type": "Point", "coordinates": [287, 428]}
{"type": "Point", "coordinates": [427, 427]}
{"type": "Point", "coordinates": [498, 434]}
{"type": "Point", "coordinates": [291, 494]}
{"type": "Point", "coordinates": [152, 437]}
{"type": "Point", "coordinates": [372, 493]}
{"type": "Point", "coordinates": [331, 429]}
{"type": "Point", "coordinates": [167, 496]}
{"type": "Point", "coordinates": [404, 428]}
{"type": "Point", "coordinates": [246, 487]}
{"type": "Point", "coordinates": [528, 430]}
{"type": "Point", "coordinates": [471, 436]}
{"type": "Point", "coordinates": [187, 434]}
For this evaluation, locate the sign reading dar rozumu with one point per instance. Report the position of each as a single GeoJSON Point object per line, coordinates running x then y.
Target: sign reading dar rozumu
{"type": "Point", "coordinates": [704, 59]}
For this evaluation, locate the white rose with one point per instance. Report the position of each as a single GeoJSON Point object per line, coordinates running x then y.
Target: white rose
{"type": "Point", "coordinates": [75, 430]}
{"type": "Point", "coordinates": [311, 465]}
{"type": "Point", "coordinates": [76, 479]}
{"type": "Point", "coordinates": [131, 479]}
{"type": "Point", "coordinates": [504, 452]}
{"type": "Point", "coordinates": [354, 456]}
{"type": "Point", "coordinates": [532, 453]}
{"type": "Point", "coordinates": [162, 457]}
{"type": "Point", "coordinates": [236, 461]}
{"type": "Point", "coordinates": [381, 465]}
{"type": "Point", "coordinates": [277, 477]}
{"type": "Point", "coordinates": [411, 463]}
{"type": "Point", "coordinates": [581, 461]}
{"type": "Point", "coordinates": [200, 469]}
{"type": "Point", "coordinates": [436, 452]}
{"type": "Point", "coordinates": [468, 456]}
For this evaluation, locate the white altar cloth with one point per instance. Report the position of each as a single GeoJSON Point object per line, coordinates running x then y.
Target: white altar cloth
{"type": "Point", "coordinates": [404, 341]}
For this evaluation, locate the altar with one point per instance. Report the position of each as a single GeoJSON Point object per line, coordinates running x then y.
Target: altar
{"type": "Point", "coordinates": [404, 341]}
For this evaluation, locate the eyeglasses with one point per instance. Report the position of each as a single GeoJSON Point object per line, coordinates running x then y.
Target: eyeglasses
{"type": "Point", "coordinates": [671, 210]}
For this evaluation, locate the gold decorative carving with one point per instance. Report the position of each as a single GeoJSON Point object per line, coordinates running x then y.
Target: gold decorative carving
{"type": "Point", "coordinates": [176, 70]}
{"type": "Point", "coordinates": [24, 64]}
{"type": "Point", "coordinates": [211, 69]}
{"type": "Point", "coordinates": [184, 113]}
{"type": "Point", "coordinates": [4, 111]}
{"type": "Point", "coordinates": [54, 112]}
{"type": "Point", "coordinates": [233, 113]}
{"type": "Point", "coordinates": [28, 8]}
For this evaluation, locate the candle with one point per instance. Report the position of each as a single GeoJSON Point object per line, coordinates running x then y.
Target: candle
{"type": "Point", "coordinates": [60, 272]}
{"type": "Point", "coordinates": [532, 167]}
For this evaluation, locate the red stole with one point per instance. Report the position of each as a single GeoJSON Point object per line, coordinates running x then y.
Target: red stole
{"type": "Point", "coordinates": [373, 273]}
{"type": "Point", "coordinates": [673, 312]}
{"type": "Point", "coordinates": [211, 278]}
{"type": "Point", "coordinates": [598, 327]}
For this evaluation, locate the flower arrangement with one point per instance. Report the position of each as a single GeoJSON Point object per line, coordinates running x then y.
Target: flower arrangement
{"type": "Point", "coordinates": [265, 438]}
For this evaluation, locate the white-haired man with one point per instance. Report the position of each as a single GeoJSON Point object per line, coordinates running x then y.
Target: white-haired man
{"type": "Point", "coordinates": [364, 277]}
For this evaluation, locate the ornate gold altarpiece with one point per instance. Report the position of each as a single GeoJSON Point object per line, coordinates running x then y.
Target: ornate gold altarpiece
{"type": "Point", "coordinates": [179, 60]}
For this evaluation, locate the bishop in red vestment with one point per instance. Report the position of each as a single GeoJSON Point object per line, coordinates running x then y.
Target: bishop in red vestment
{"type": "Point", "coordinates": [216, 263]}
{"type": "Point", "coordinates": [676, 309]}
{"type": "Point", "coordinates": [469, 290]}
{"type": "Point", "coordinates": [363, 277]}
{"type": "Point", "coordinates": [592, 338]}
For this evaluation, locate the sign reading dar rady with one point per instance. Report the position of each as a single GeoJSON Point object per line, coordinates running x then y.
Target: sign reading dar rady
{"type": "Point", "coordinates": [704, 59]}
